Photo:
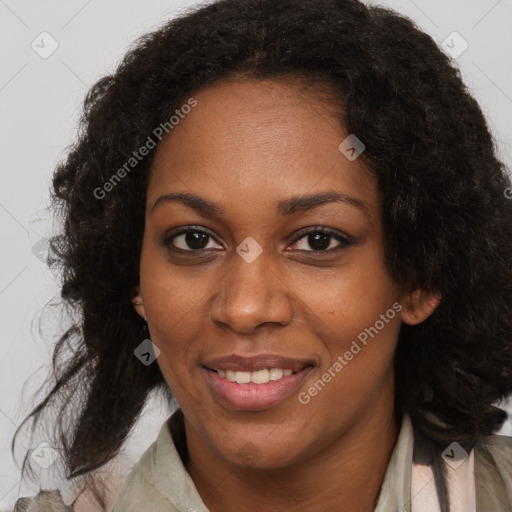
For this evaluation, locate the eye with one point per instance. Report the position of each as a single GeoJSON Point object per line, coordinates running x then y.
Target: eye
{"type": "Point", "coordinates": [322, 240]}
{"type": "Point", "coordinates": [190, 240]}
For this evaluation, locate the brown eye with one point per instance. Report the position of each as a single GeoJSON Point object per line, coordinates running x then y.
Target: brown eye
{"type": "Point", "coordinates": [190, 240]}
{"type": "Point", "coordinates": [322, 240]}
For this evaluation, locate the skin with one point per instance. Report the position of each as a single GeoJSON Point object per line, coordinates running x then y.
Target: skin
{"type": "Point", "coordinates": [246, 146]}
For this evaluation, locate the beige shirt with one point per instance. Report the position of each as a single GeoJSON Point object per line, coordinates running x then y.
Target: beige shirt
{"type": "Point", "coordinates": [159, 481]}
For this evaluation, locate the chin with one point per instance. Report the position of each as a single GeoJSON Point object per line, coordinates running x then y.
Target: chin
{"type": "Point", "coordinates": [265, 456]}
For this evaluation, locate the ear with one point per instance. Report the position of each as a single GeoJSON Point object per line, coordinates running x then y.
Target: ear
{"type": "Point", "coordinates": [418, 305]}
{"type": "Point", "coordinates": [138, 302]}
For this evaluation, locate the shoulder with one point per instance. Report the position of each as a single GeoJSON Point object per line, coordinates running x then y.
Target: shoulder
{"type": "Point", "coordinates": [493, 468]}
{"type": "Point", "coordinates": [496, 450]}
{"type": "Point", "coordinates": [138, 492]}
{"type": "Point", "coordinates": [159, 480]}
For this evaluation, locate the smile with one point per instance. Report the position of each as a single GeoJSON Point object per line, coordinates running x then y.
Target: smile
{"type": "Point", "coordinates": [256, 390]}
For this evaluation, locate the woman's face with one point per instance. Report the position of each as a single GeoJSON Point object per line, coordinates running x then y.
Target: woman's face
{"type": "Point", "coordinates": [256, 167]}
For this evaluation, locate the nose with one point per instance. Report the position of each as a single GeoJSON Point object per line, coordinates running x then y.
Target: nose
{"type": "Point", "coordinates": [249, 295]}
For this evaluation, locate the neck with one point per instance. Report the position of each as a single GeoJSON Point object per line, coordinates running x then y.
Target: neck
{"type": "Point", "coordinates": [350, 471]}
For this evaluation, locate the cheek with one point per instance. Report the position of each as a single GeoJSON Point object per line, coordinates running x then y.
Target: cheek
{"type": "Point", "coordinates": [172, 296]}
{"type": "Point", "coordinates": [356, 314]}
{"type": "Point", "coordinates": [171, 305]}
{"type": "Point", "coordinates": [345, 301]}
{"type": "Point", "coordinates": [357, 370]}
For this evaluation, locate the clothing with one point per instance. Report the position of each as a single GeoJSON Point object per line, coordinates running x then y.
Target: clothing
{"type": "Point", "coordinates": [159, 481]}
{"type": "Point", "coordinates": [460, 484]}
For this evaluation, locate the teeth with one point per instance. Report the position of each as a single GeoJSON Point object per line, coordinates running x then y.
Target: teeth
{"type": "Point", "coordinates": [260, 376]}
{"type": "Point", "coordinates": [256, 377]}
{"type": "Point", "coordinates": [276, 373]}
{"type": "Point", "coordinates": [243, 377]}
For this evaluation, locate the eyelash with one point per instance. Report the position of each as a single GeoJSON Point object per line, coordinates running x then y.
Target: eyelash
{"type": "Point", "coordinates": [343, 240]}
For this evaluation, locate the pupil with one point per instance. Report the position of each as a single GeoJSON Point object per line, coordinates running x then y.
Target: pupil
{"type": "Point", "coordinates": [195, 240]}
{"type": "Point", "coordinates": [314, 239]}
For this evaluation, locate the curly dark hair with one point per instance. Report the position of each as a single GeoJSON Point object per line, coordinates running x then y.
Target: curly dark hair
{"type": "Point", "coordinates": [447, 222]}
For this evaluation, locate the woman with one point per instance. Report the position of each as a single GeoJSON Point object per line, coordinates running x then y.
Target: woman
{"type": "Point", "coordinates": [290, 215]}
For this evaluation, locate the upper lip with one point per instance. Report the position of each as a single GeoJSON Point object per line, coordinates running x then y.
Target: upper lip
{"type": "Point", "coordinates": [240, 363]}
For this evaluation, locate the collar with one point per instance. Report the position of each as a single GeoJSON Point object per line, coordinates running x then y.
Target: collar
{"type": "Point", "coordinates": [167, 472]}
{"type": "Point", "coordinates": [167, 466]}
{"type": "Point", "coordinates": [395, 491]}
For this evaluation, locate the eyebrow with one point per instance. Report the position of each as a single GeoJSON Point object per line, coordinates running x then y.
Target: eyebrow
{"type": "Point", "coordinates": [285, 207]}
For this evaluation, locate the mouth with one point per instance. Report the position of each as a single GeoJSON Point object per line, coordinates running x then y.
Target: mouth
{"type": "Point", "coordinates": [255, 383]}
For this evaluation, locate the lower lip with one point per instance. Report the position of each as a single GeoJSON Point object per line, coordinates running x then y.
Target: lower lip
{"type": "Point", "coordinates": [253, 397]}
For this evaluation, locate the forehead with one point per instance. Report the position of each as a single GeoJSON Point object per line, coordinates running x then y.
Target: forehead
{"type": "Point", "coordinates": [258, 141]}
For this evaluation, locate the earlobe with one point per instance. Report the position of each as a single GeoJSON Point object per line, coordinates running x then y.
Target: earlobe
{"type": "Point", "coordinates": [418, 306]}
{"type": "Point", "coordinates": [138, 302]}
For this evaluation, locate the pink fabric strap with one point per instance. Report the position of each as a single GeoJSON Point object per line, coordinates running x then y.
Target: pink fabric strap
{"type": "Point", "coordinates": [461, 487]}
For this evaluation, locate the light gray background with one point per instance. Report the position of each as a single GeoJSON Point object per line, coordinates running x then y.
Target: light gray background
{"type": "Point", "coordinates": [40, 101]}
